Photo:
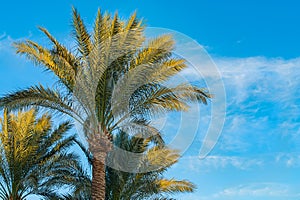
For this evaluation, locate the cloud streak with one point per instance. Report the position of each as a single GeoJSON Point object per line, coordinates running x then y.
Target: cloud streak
{"type": "Point", "coordinates": [263, 102]}
{"type": "Point", "coordinates": [263, 105]}
{"type": "Point", "coordinates": [288, 159]}
{"type": "Point", "coordinates": [261, 134]}
{"type": "Point", "coordinates": [250, 191]}
{"type": "Point", "coordinates": [217, 162]}
{"type": "Point", "coordinates": [255, 190]}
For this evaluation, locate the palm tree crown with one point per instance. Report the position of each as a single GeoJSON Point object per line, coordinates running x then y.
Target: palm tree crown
{"type": "Point", "coordinates": [113, 80]}
{"type": "Point", "coordinates": [33, 156]}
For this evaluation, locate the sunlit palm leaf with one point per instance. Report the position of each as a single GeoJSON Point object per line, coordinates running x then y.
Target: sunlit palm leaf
{"type": "Point", "coordinates": [34, 158]}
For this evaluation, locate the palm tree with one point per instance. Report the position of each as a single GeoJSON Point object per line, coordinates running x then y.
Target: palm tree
{"type": "Point", "coordinates": [114, 78]}
{"type": "Point", "coordinates": [138, 186]}
{"type": "Point", "coordinates": [33, 157]}
{"type": "Point", "coordinates": [147, 185]}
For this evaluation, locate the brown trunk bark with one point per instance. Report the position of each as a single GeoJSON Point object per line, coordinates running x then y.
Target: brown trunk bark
{"type": "Point", "coordinates": [100, 145]}
{"type": "Point", "coordinates": [98, 179]}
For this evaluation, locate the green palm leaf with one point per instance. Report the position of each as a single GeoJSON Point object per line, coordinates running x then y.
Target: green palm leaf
{"type": "Point", "coordinates": [34, 158]}
{"type": "Point", "coordinates": [114, 78]}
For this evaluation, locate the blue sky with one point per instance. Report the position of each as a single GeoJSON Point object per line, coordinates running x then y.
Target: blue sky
{"type": "Point", "coordinates": [254, 44]}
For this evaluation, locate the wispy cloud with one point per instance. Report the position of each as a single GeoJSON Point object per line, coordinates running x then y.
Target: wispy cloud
{"type": "Point", "coordinates": [211, 163]}
{"type": "Point", "coordinates": [250, 191]}
{"type": "Point", "coordinates": [260, 77]}
{"type": "Point", "coordinates": [2, 36]}
{"type": "Point", "coordinates": [263, 102]}
{"type": "Point", "coordinates": [6, 41]}
{"type": "Point", "coordinates": [255, 190]}
{"type": "Point", "coordinates": [216, 162]}
{"type": "Point", "coordinates": [288, 159]}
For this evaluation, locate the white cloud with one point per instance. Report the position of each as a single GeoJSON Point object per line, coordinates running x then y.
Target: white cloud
{"type": "Point", "coordinates": [288, 159]}
{"type": "Point", "coordinates": [263, 101]}
{"type": "Point", "coordinates": [2, 35]}
{"type": "Point", "coordinates": [6, 44]}
{"type": "Point", "coordinates": [267, 190]}
{"type": "Point", "coordinates": [7, 40]}
{"type": "Point", "coordinates": [260, 76]}
{"type": "Point", "coordinates": [263, 98]}
{"type": "Point", "coordinates": [214, 163]}
{"type": "Point", "coordinates": [4, 41]}
{"type": "Point", "coordinates": [210, 163]}
{"type": "Point", "coordinates": [254, 76]}
{"type": "Point", "coordinates": [256, 189]}
{"type": "Point", "coordinates": [260, 190]}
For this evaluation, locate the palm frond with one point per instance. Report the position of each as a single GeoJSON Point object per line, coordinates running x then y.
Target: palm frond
{"type": "Point", "coordinates": [38, 96]}
{"type": "Point", "coordinates": [29, 165]}
{"type": "Point", "coordinates": [113, 82]}
{"type": "Point", "coordinates": [174, 186]}
{"type": "Point", "coordinates": [62, 52]}
{"type": "Point", "coordinates": [81, 34]}
{"type": "Point", "coordinates": [42, 56]}
{"type": "Point", "coordinates": [156, 51]}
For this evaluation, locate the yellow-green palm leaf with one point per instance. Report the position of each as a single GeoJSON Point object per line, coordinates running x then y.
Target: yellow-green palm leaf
{"type": "Point", "coordinates": [33, 157]}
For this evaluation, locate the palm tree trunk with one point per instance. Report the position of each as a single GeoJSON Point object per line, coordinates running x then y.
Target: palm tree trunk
{"type": "Point", "coordinates": [98, 179]}
{"type": "Point", "coordinates": [100, 145]}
